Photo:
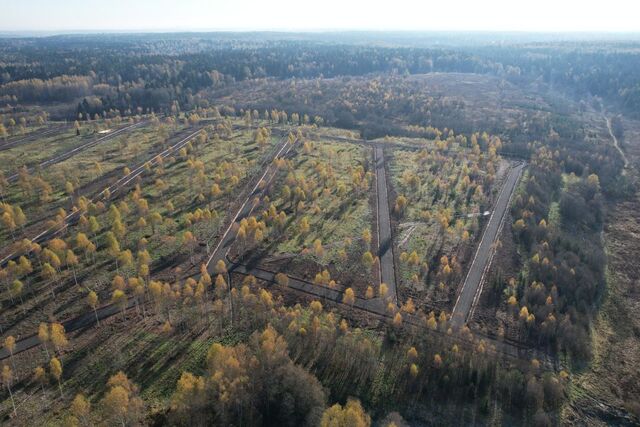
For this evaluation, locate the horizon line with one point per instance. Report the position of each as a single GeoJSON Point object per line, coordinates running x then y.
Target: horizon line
{"type": "Point", "coordinates": [310, 31]}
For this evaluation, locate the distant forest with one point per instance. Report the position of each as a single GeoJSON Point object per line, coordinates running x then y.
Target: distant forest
{"type": "Point", "coordinates": [161, 72]}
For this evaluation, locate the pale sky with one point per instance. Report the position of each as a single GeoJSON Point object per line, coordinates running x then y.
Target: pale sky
{"type": "Point", "coordinates": [434, 15]}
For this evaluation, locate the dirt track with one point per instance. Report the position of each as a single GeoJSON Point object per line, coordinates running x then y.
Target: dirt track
{"type": "Point", "coordinates": [113, 189]}
{"type": "Point", "coordinates": [374, 306]}
{"type": "Point", "coordinates": [72, 152]}
{"type": "Point", "coordinates": [33, 136]}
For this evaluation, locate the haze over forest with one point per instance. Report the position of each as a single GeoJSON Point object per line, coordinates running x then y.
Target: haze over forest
{"type": "Point", "coordinates": [413, 15]}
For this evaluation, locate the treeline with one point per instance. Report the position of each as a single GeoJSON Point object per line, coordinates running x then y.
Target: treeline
{"type": "Point", "coordinates": [559, 216]}
{"type": "Point", "coordinates": [240, 61]}
{"type": "Point", "coordinates": [152, 71]}
{"type": "Point", "coordinates": [62, 88]}
{"type": "Point", "coordinates": [295, 360]}
{"type": "Point", "coordinates": [124, 81]}
{"type": "Point", "coordinates": [377, 107]}
{"type": "Point", "coordinates": [608, 70]}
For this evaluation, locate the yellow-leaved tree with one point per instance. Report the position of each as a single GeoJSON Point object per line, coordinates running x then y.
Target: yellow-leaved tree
{"type": "Point", "coordinates": [351, 415]}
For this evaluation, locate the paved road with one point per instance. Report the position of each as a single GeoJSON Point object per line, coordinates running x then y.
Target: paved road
{"type": "Point", "coordinates": [472, 286]}
{"type": "Point", "coordinates": [385, 242]}
{"type": "Point", "coordinates": [72, 152]}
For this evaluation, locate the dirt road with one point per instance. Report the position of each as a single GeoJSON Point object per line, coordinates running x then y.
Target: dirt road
{"type": "Point", "coordinates": [335, 295]}
{"type": "Point", "coordinates": [72, 217]}
{"type": "Point", "coordinates": [72, 152]}
{"type": "Point", "coordinates": [227, 238]}
{"type": "Point", "coordinates": [33, 136]}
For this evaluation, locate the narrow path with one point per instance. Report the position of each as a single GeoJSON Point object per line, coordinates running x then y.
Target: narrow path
{"type": "Point", "coordinates": [472, 286]}
{"type": "Point", "coordinates": [323, 293]}
{"type": "Point", "coordinates": [227, 238]}
{"type": "Point", "coordinates": [507, 349]}
{"type": "Point", "coordinates": [617, 145]}
{"type": "Point", "coordinates": [85, 320]}
{"type": "Point", "coordinates": [385, 242]}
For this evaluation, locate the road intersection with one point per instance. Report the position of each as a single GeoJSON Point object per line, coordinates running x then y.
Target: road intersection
{"type": "Point", "coordinates": [470, 289]}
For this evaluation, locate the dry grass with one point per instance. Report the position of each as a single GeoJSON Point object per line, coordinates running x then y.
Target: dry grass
{"type": "Point", "coordinates": [613, 375]}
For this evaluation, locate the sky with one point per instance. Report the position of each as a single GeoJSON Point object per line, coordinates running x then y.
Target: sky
{"type": "Point", "coordinates": [297, 15]}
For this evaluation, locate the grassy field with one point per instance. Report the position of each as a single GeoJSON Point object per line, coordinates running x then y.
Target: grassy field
{"type": "Point", "coordinates": [612, 376]}
{"type": "Point", "coordinates": [153, 358]}
{"type": "Point", "coordinates": [89, 171]}
{"type": "Point", "coordinates": [37, 150]}
{"type": "Point", "coordinates": [437, 199]}
{"type": "Point", "coordinates": [171, 200]}
{"type": "Point", "coordinates": [324, 193]}
{"type": "Point", "coordinates": [338, 217]}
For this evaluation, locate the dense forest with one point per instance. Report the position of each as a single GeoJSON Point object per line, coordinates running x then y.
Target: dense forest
{"type": "Point", "coordinates": [132, 73]}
